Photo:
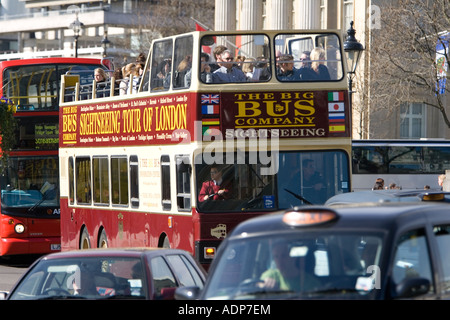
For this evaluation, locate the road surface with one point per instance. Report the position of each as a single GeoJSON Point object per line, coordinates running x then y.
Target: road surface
{"type": "Point", "coordinates": [12, 268]}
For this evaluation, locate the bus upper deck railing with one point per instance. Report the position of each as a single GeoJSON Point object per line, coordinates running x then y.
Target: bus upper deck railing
{"type": "Point", "coordinates": [74, 91]}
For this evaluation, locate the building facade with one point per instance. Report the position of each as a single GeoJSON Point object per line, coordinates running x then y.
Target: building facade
{"type": "Point", "coordinates": [371, 118]}
{"type": "Point", "coordinates": [41, 28]}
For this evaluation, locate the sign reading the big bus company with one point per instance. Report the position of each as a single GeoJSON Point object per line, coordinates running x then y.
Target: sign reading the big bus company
{"type": "Point", "coordinates": [140, 121]}
{"type": "Point", "coordinates": [290, 114]}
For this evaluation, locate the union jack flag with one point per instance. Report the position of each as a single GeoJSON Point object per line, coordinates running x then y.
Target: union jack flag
{"type": "Point", "coordinates": [210, 98]}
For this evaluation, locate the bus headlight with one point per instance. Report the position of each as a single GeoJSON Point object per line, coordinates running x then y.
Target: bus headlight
{"type": "Point", "coordinates": [19, 228]}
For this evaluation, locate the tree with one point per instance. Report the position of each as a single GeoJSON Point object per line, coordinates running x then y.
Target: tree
{"type": "Point", "coordinates": [163, 18]}
{"type": "Point", "coordinates": [7, 129]}
{"type": "Point", "coordinates": [403, 66]}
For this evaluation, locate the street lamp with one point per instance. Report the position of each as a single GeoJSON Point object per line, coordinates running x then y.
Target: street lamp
{"type": "Point", "coordinates": [76, 26]}
{"type": "Point", "coordinates": [105, 42]}
{"type": "Point", "coordinates": [353, 50]}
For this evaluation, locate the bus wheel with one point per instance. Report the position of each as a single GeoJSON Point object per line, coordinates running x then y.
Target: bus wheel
{"type": "Point", "coordinates": [85, 243]}
{"type": "Point", "coordinates": [103, 240]}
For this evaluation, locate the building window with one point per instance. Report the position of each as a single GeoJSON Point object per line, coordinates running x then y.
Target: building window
{"type": "Point", "coordinates": [323, 15]}
{"type": "Point", "coordinates": [264, 15]}
{"type": "Point", "coordinates": [412, 121]}
{"type": "Point", "coordinates": [348, 13]}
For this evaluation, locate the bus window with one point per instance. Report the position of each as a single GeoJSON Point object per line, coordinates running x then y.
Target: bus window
{"type": "Point", "coordinates": [119, 180]}
{"type": "Point", "coordinates": [165, 183]}
{"type": "Point", "coordinates": [311, 177]}
{"type": "Point", "coordinates": [71, 181]}
{"type": "Point", "coordinates": [254, 50]}
{"type": "Point", "coordinates": [237, 187]}
{"type": "Point", "coordinates": [182, 62]}
{"type": "Point", "coordinates": [161, 65]}
{"type": "Point", "coordinates": [36, 87]}
{"type": "Point", "coordinates": [183, 185]}
{"type": "Point", "coordinates": [134, 181]}
{"type": "Point", "coordinates": [37, 133]}
{"type": "Point", "coordinates": [303, 177]}
{"type": "Point", "coordinates": [83, 180]}
{"type": "Point", "coordinates": [100, 180]}
{"type": "Point", "coordinates": [309, 57]}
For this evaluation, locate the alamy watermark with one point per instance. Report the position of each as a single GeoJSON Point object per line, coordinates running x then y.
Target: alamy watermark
{"type": "Point", "coordinates": [235, 146]}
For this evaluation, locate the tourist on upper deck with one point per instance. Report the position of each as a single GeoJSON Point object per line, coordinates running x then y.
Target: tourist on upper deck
{"type": "Point", "coordinates": [317, 64]}
{"type": "Point", "coordinates": [287, 71]}
{"type": "Point", "coordinates": [228, 72]}
{"type": "Point", "coordinates": [102, 86]}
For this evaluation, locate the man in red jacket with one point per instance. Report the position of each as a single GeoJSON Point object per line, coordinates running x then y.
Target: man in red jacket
{"type": "Point", "coordinates": [215, 188]}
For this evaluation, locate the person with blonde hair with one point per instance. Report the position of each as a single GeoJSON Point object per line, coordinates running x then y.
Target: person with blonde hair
{"type": "Point", "coordinates": [102, 87]}
{"type": "Point", "coordinates": [318, 58]}
{"type": "Point", "coordinates": [129, 69]}
{"type": "Point", "coordinates": [249, 68]}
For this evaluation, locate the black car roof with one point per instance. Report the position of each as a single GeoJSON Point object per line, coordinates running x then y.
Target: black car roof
{"type": "Point", "coordinates": [388, 196]}
{"type": "Point", "coordinates": [112, 252]}
{"type": "Point", "coordinates": [352, 215]}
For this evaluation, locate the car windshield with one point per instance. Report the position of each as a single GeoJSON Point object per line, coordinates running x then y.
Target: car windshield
{"type": "Point", "coordinates": [84, 278]}
{"type": "Point", "coordinates": [311, 265]}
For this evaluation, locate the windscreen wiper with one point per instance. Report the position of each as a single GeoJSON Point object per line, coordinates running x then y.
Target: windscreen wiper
{"type": "Point", "coordinates": [298, 196]}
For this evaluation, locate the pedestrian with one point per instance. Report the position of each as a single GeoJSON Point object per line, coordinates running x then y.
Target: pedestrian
{"type": "Point", "coordinates": [379, 184]}
{"type": "Point", "coordinates": [441, 180]}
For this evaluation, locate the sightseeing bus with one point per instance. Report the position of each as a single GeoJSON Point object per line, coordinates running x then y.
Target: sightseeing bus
{"type": "Point", "coordinates": [29, 180]}
{"type": "Point", "coordinates": [409, 164]}
{"type": "Point", "coordinates": [137, 169]}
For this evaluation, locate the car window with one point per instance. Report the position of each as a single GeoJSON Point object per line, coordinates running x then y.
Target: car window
{"type": "Point", "coordinates": [412, 258]}
{"type": "Point", "coordinates": [442, 234]}
{"type": "Point", "coordinates": [185, 271]}
{"type": "Point", "coordinates": [83, 277]}
{"type": "Point", "coordinates": [162, 276]}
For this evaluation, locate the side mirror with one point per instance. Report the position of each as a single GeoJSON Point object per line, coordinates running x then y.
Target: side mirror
{"type": "Point", "coordinates": [412, 287]}
{"type": "Point", "coordinates": [187, 293]}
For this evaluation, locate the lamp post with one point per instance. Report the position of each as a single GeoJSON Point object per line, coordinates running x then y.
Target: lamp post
{"type": "Point", "coordinates": [105, 42]}
{"type": "Point", "coordinates": [353, 50]}
{"type": "Point", "coordinates": [76, 26]}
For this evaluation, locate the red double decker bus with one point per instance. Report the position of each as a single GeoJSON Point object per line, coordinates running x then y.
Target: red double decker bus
{"type": "Point", "coordinates": [29, 183]}
{"type": "Point", "coordinates": [205, 142]}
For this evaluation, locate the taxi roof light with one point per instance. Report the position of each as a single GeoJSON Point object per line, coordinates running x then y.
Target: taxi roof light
{"type": "Point", "coordinates": [209, 252]}
{"type": "Point", "coordinates": [308, 218]}
{"type": "Point", "coordinates": [433, 197]}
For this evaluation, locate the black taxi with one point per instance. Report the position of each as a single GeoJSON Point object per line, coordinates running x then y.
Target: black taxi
{"type": "Point", "coordinates": [377, 250]}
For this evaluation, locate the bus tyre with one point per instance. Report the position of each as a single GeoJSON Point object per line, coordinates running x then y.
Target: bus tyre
{"type": "Point", "coordinates": [103, 240]}
{"type": "Point", "coordinates": [85, 243]}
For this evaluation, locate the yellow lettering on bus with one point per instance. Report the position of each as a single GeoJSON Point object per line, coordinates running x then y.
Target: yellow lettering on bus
{"type": "Point", "coordinates": [100, 123]}
{"type": "Point", "coordinates": [304, 108]}
{"type": "Point", "coordinates": [69, 123]}
{"type": "Point", "coordinates": [131, 121]}
{"type": "Point", "coordinates": [171, 117]}
{"type": "Point", "coordinates": [147, 119]}
{"type": "Point", "coordinates": [275, 109]}
{"type": "Point", "coordinates": [248, 109]}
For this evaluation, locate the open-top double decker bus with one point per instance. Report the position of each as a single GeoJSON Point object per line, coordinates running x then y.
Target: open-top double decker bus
{"type": "Point", "coordinates": [29, 180]}
{"type": "Point", "coordinates": [133, 166]}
